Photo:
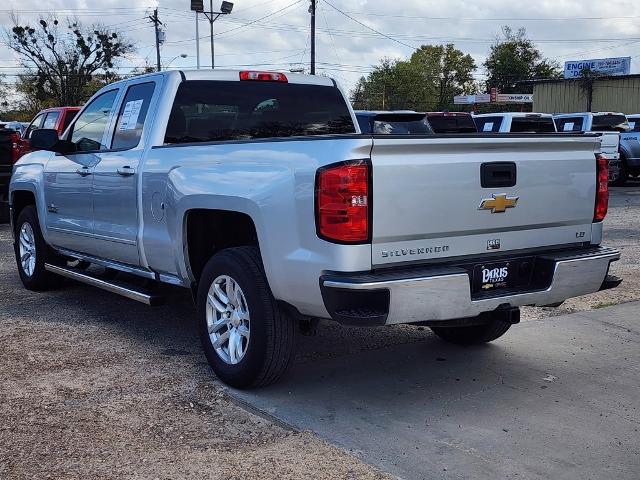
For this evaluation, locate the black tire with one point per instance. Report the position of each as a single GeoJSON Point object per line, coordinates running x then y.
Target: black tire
{"type": "Point", "coordinates": [623, 174]}
{"type": "Point", "coordinates": [40, 279]}
{"type": "Point", "coordinates": [472, 334]}
{"type": "Point", "coordinates": [270, 347]}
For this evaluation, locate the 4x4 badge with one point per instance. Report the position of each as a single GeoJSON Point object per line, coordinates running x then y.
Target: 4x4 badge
{"type": "Point", "coordinates": [499, 203]}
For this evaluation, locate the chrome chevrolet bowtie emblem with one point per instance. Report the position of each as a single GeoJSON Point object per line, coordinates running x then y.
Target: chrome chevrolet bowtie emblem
{"type": "Point", "coordinates": [499, 203]}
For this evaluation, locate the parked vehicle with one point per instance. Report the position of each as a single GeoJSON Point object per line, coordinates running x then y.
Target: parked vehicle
{"type": "Point", "coordinates": [392, 123]}
{"type": "Point", "coordinates": [630, 150]}
{"type": "Point", "coordinates": [57, 118]}
{"type": "Point", "coordinates": [608, 124]}
{"type": "Point", "coordinates": [8, 139]}
{"type": "Point", "coordinates": [515, 122]}
{"type": "Point", "coordinates": [451, 122]}
{"type": "Point", "coordinates": [15, 126]}
{"type": "Point", "coordinates": [255, 191]}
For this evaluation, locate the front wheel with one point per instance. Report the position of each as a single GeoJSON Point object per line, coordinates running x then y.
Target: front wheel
{"type": "Point", "coordinates": [473, 334]}
{"type": "Point", "coordinates": [247, 338]}
{"type": "Point", "coordinates": [31, 251]}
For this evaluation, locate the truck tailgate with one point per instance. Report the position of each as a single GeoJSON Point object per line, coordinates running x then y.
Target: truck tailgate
{"type": "Point", "coordinates": [427, 194]}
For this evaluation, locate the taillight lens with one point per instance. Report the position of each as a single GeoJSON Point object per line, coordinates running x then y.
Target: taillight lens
{"type": "Point", "coordinates": [15, 147]}
{"type": "Point", "coordinates": [602, 188]}
{"type": "Point", "coordinates": [263, 76]}
{"type": "Point", "coordinates": [343, 203]}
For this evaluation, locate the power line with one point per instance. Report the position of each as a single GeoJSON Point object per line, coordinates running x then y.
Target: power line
{"type": "Point", "coordinates": [367, 26]}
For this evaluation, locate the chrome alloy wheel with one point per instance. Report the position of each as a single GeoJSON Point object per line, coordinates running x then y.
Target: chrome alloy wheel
{"type": "Point", "coordinates": [228, 320]}
{"type": "Point", "coordinates": [27, 248]}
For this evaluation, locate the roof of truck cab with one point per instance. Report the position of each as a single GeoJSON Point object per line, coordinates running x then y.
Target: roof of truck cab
{"type": "Point", "coordinates": [234, 75]}
{"type": "Point", "coordinates": [514, 114]}
{"type": "Point", "coordinates": [595, 114]}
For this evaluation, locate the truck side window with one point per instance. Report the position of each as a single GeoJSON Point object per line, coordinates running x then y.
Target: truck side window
{"type": "Point", "coordinates": [35, 124]}
{"type": "Point", "coordinates": [133, 113]}
{"type": "Point", "coordinates": [88, 130]}
{"type": "Point", "coordinates": [206, 111]}
{"type": "Point", "coordinates": [51, 120]}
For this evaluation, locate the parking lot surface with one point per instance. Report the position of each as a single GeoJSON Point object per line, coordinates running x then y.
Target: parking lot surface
{"type": "Point", "coordinates": [96, 386]}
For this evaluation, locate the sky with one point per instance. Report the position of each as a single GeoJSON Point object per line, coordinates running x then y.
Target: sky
{"type": "Point", "coordinates": [352, 35]}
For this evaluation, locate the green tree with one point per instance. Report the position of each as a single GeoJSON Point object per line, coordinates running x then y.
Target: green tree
{"type": "Point", "coordinates": [514, 58]}
{"type": "Point", "coordinates": [428, 80]}
{"type": "Point", "coordinates": [61, 63]}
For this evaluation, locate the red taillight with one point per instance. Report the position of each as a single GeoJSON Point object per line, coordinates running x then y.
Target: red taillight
{"type": "Point", "coordinates": [263, 76]}
{"type": "Point", "coordinates": [602, 188]}
{"type": "Point", "coordinates": [342, 203]}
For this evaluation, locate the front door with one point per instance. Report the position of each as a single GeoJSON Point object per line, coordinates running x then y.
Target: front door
{"type": "Point", "coordinates": [68, 178]}
{"type": "Point", "coordinates": [115, 180]}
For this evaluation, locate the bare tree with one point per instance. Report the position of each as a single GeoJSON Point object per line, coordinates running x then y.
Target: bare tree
{"type": "Point", "coordinates": [62, 62]}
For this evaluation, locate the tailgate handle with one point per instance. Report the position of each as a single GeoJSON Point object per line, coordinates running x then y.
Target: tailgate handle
{"type": "Point", "coordinates": [498, 174]}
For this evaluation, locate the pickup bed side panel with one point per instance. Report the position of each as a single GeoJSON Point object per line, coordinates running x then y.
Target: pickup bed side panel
{"type": "Point", "coordinates": [270, 181]}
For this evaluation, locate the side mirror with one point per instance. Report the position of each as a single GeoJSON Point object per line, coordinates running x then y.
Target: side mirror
{"type": "Point", "coordinates": [44, 139]}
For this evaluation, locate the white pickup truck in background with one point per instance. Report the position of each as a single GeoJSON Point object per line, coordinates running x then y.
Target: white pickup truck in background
{"type": "Point", "coordinates": [608, 124]}
{"type": "Point", "coordinates": [258, 192]}
{"type": "Point", "coordinates": [515, 122]}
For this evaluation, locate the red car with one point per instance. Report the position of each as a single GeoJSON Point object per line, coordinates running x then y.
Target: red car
{"type": "Point", "coordinates": [57, 118]}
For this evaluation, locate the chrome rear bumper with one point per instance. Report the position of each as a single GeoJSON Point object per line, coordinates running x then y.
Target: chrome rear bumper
{"type": "Point", "coordinates": [444, 293]}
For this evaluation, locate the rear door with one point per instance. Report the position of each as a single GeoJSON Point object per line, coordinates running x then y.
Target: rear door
{"type": "Point", "coordinates": [115, 177]}
{"type": "Point", "coordinates": [449, 197]}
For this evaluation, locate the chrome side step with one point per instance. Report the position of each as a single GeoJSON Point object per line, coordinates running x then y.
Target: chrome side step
{"type": "Point", "coordinates": [122, 289]}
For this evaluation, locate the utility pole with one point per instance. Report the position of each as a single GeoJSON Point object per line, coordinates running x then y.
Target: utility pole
{"type": "Point", "coordinates": [312, 11]}
{"type": "Point", "coordinates": [156, 23]}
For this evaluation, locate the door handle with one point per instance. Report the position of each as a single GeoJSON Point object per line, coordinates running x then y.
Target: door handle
{"type": "Point", "coordinates": [83, 171]}
{"type": "Point", "coordinates": [126, 171]}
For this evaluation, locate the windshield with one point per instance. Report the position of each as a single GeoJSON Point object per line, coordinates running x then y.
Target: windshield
{"type": "Point", "coordinates": [452, 123]}
{"type": "Point", "coordinates": [401, 124]}
{"type": "Point", "coordinates": [609, 123]}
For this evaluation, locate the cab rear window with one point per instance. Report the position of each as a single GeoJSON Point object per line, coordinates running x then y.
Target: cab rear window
{"type": "Point", "coordinates": [533, 124]}
{"type": "Point", "coordinates": [452, 124]}
{"type": "Point", "coordinates": [609, 123]}
{"type": "Point", "coordinates": [205, 111]}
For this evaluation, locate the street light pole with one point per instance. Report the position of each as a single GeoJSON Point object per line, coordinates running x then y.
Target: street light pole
{"type": "Point", "coordinates": [197, 43]}
{"type": "Point", "coordinates": [225, 9]}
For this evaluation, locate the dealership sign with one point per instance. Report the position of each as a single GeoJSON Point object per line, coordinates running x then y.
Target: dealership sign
{"type": "Point", "coordinates": [605, 66]}
{"type": "Point", "coordinates": [493, 97]}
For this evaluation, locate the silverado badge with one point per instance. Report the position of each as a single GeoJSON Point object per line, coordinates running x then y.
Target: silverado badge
{"type": "Point", "coordinates": [499, 203]}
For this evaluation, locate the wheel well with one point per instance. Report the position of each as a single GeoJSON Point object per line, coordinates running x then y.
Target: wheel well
{"type": "Point", "coordinates": [19, 200]}
{"type": "Point", "coordinates": [209, 231]}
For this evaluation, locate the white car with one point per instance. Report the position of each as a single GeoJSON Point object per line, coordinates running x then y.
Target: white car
{"type": "Point", "coordinates": [515, 122]}
{"type": "Point", "coordinates": [609, 124]}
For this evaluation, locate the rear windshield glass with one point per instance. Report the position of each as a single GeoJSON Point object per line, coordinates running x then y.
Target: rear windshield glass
{"type": "Point", "coordinates": [569, 124]}
{"type": "Point", "coordinates": [452, 124]}
{"type": "Point", "coordinates": [488, 124]}
{"type": "Point", "coordinates": [609, 123]}
{"type": "Point", "coordinates": [532, 125]}
{"type": "Point", "coordinates": [206, 110]}
{"type": "Point", "coordinates": [401, 124]}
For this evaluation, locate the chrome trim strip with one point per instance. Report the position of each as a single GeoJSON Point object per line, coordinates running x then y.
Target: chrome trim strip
{"type": "Point", "coordinates": [104, 285]}
{"type": "Point", "coordinates": [94, 235]}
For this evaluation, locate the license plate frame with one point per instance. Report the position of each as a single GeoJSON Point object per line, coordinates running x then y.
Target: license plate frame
{"type": "Point", "coordinates": [501, 275]}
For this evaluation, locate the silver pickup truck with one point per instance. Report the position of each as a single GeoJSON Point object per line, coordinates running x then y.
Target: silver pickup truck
{"type": "Point", "coordinates": [257, 191]}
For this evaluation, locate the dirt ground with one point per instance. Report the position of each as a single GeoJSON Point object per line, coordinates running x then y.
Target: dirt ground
{"type": "Point", "coordinates": [96, 386]}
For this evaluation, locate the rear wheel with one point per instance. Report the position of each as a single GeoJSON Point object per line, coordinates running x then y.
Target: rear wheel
{"type": "Point", "coordinates": [473, 334]}
{"type": "Point", "coordinates": [247, 339]}
{"type": "Point", "coordinates": [31, 251]}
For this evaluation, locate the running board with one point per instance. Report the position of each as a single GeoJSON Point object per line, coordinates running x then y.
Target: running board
{"type": "Point", "coordinates": [128, 291]}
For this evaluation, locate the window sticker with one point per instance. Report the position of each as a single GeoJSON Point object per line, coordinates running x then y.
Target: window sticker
{"type": "Point", "coordinates": [487, 127]}
{"type": "Point", "coordinates": [568, 127]}
{"type": "Point", "coordinates": [632, 125]}
{"type": "Point", "coordinates": [130, 114]}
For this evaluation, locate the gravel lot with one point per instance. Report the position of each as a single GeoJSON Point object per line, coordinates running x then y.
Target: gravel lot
{"type": "Point", "coordinates": [96, 386]}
